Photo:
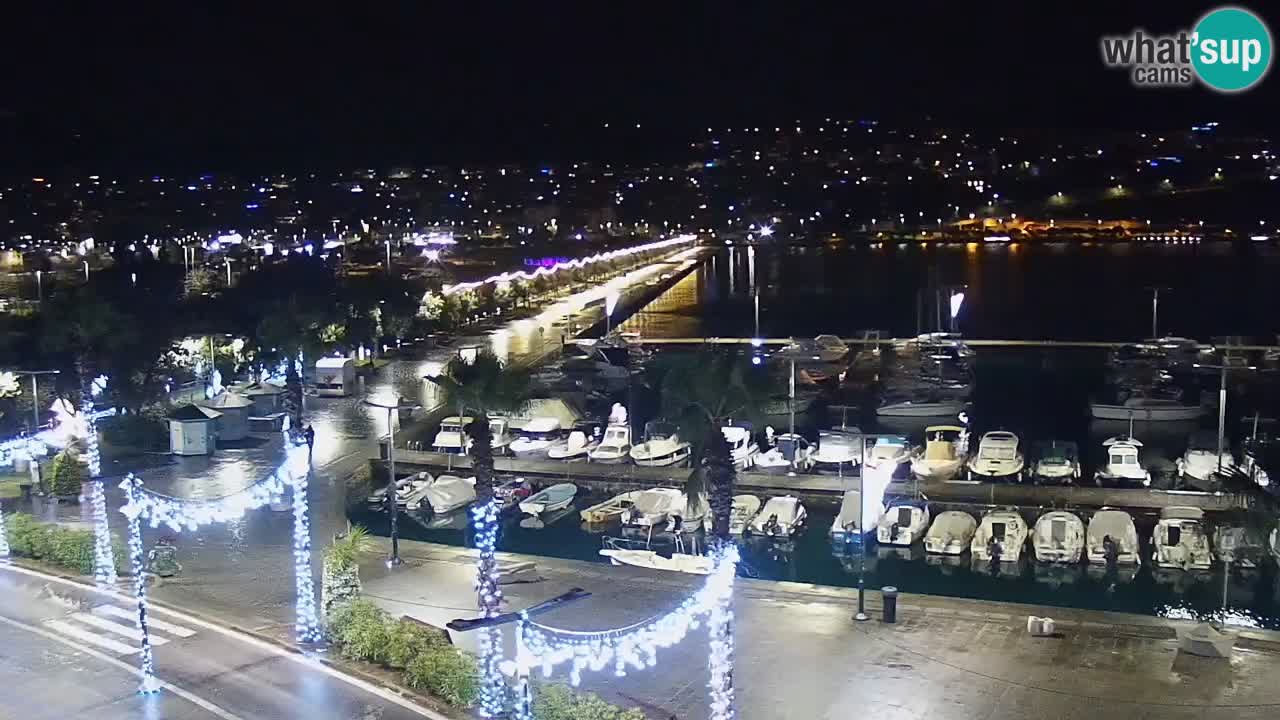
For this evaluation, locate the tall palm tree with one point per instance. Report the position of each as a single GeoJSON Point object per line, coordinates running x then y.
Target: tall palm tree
{"type": "Point", "coordinates": [704, 392]}
{"type": "Point", "coordinates": [479, 387]}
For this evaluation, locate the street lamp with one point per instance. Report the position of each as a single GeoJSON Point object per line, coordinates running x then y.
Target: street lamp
{"type": "Point", "coordinates": [1222, 400]}
{"type": "Point", "coordinates": [35, 392]}
{"type": "Point", "coordinates": [392, 411]}
{"type": "Point", "coordinates": [861, 615]}
{"type": "Point", "coordinates": [227, 262]}
{"type": "Point", "coordinates": [610, 302]}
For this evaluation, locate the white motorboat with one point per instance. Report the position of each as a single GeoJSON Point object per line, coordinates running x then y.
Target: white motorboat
{"type": "Point", "coordinates": [943, 452]}
{"type": "Point", "coordinates": [1058, 538]}
{"type": "Point", "coordinates": [823, 348]}
{"type": "Point", "coordinates": [1150, 409]}
{"type": "Point", "coordinates": [743, 449]}
{"type": "Point", "coordinates": [549, 500]}
{"type": "Point", "coordinates": [1057, 461]}
{"type": "Point", "coordinates": [781, 517]}
{"type": "Point", "coordinates": [446, 494]}
{"type": "Point", "coordinates": [662, 446]}
{"type": "Point", "coordinates": [743, 511]}
{"type": "Point", "coordinates": [903, 524]}
{"type": "Point", "coordinates": [1240, 546]}
{"type": "Point", "coordinates": [1123, 468]}
{"type": "Point", "coordinates": [923, 405]}
{"type": "Point", "coordinates": [615, 447]}
{"type": "Point", "coordinates": [998, 456]}
{"type": "Point", "coordinates": [1112, 537]}
{"type": "Point", "coordinates": [651, 508]}
{"type": "Point", "coordinates": [405, 487]}
{"type": "Point", "coordinates": [452, 437]}
{"type": "Point", "coordinates": [677, 562]}
{"type": "Point", "coordinates": [1001, 536]}
{"type": "Point", "coordinates": [500, 437]}
{"type": "Point", "coordinates": [574, 447]}
{"type": "Point", "coordinates": [888, 452]}
{"type": "Point", "coordinates": [848, 525]}
{"type": "Point", "coordinates": [610, 510]}
{"type": "Point", "coordinates": [536, 437]}
{"type": "Point", "coordinates": [839, 450]}
{"type": "Point", "coordinates": [1201, 464]}
{"type": "Point", "coordinates": [789, 452]}
{"type": "Point", "coordinates": [951, 533]}
{"type": "Point", "coordinates": [1179, 540]}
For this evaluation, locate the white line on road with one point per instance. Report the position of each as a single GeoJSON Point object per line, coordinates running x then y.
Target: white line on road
{"type": "Point", "coordinates": [132, 633]}
{"type": "Point", "coordinates": [83, 635]}
{"type": "Point", "coordinates": [120, 612]}
{"type": "Point", "coordinates": [308, 661]}
{"type": "Point", "coordinates": [184, 694]}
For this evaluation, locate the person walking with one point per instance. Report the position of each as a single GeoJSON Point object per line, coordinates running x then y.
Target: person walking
{"type": "Point", "coordinates": [310, 434]}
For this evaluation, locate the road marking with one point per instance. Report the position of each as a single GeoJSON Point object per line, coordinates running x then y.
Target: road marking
{"type": "Point", "coordinates": [306, 660]}
{"type": "Point", "coordinates": [83, 635]}
{"type": "Point", "coordinates": [120, 612]}
{"type": "Point", "coordinates": [184, 694]}
{"type": "Point", "coordinates": [132, 633]}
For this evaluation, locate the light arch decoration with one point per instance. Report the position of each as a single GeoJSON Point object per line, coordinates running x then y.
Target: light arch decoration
{"type": "Point", "coordinates": [180, 514]}
{"type": "Point", "coordinates": [635, 647]}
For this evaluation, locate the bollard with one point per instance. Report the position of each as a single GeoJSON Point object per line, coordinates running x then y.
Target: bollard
{"type": "Point", "coordinates": [889, 599]}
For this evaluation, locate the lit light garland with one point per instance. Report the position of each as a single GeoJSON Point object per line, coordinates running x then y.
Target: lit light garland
{"type": "Point", "coordinates": [636, 647]}
{"type": "Point", "coordinates": [178, 514]}
{"type": "Point", "coordinates": [578, 263]}
{"type": "Point", "coordinates": [493, 686]}
{"type": "Point", "coordinates": [4, 537]}
{"type": "Point", "coordinates": [133, 510]}
{"type": "Point", "coordinates": [104, 561]}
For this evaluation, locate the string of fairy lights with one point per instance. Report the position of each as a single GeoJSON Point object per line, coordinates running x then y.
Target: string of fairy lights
{"type": "Point", "coordinates": [180, 514]}
{"type": "Point", "coordinates": [636, 647]}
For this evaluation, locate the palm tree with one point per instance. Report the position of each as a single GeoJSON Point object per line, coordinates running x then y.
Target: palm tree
{"type": "Point", "coordinates": [704, 392]}
{"type": "Point", "coordinates": [478, 388]}
{"type": "Point", "coordinates": [288, 331]}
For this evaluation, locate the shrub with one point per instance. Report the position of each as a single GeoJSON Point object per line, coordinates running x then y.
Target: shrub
{"type": "Point", "coordinates": [341, 580]}
{"type": "Point", "coordinates": [557, 702]}
{"type": "Point", "coordinates": [140, 430]}
{"type": "Point", "coordinates": [362, 630]}
{"type": "Point", "coordinates": [68, 548]}
{"type": "Point", "coordinates": [66, 475]}
{"type": "Point", "coordinates": [447, 673]}
{"type": "Point", "coordinates": [409, 640]}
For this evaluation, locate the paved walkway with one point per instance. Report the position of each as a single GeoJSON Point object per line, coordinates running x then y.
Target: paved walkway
{"type": "Point", "coordinates": [800, 655]}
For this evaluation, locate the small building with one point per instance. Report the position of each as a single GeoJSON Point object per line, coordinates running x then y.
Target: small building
{"type": "Point", "coordinates": [191, 430]}
{"type": "Point", "coordinates": [335, 376]}
{"type": "Point", "coordinates": [267, 398]}
{"type": "Point", "coordinates": [233, 423]}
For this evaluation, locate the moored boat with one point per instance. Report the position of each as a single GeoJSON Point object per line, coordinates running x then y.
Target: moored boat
{"type": "Point", "coordinates": [1058, 537]}
{"type": "Point", "coordinates": [951, 533]}
{"type": "Point", "coordinates": [556, 497]}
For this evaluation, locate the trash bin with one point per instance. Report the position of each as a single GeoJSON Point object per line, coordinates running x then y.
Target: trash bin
{"type": "Point", "coordinates": [889, 597]}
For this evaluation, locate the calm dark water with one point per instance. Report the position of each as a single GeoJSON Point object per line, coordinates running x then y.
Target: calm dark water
{"type": "Point", "coordinates": [1059, 290]}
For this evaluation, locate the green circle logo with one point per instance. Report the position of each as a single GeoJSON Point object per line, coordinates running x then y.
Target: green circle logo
{"type": "Point", "coordinates": [1231, 49]}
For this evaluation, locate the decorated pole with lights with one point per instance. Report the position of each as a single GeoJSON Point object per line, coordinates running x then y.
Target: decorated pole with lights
{"type": "Point", "coordinates": [4, 537]}
{"type": "Point", "coordinates": [104, 560]}
{"type": "Point", "coordinates": [307, 624]}
{"type": "Point", "coordinates": [133, 511]}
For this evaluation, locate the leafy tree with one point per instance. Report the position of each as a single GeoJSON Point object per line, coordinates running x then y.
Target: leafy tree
{"type": "Point", "coordinates": [478, 388]}
{"type": "Point", "coordinates": [704, 392]}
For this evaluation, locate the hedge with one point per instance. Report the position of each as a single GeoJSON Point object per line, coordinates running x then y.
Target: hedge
{"type": "Point", "coordinates": [557, 702]}
{"type": "Point", "coordinates": [61, 546]}
{"type": "Point", "coordinates": [66, 474]}
{"type": "Point", "coordinates": [363, 631]}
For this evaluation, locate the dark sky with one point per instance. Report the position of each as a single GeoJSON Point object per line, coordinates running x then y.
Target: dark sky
{"type": "Point", "coordinates": [256, 86]}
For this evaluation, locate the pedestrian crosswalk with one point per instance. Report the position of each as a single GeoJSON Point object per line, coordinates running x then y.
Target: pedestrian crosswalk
{"type": "Point", "coordinates": [114, 629]}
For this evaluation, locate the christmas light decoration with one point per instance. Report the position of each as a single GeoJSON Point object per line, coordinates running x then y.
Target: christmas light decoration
{"type": "Point", "coordinates": [493, 687]}
{"type": "Point", "coordinates": [104, 561]}
{"type": "Point", "coordinates": [179, 514]}
{"type": "Point", "coordinates": [4, 538]}
{"type": "Point", "coordinates": [636, 646]}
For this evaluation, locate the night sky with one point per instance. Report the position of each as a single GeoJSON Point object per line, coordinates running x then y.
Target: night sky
{"type": "Point", "coordinates": [266, 87]}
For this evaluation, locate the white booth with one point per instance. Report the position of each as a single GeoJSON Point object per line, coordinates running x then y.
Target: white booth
{"type": "Point", "coordinates": [335, 376]}
{"type": "Point", "coordinates": [267, 398]}
{"type": "Point", "coordinates": [191, 430]}
{"type": "Point", "coordinates": [233, 422]}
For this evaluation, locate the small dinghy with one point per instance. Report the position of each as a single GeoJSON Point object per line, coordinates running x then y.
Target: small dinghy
{"type": "Point", "coordinates": [950, 533]}
{"type": "Point", "coordinates": [556, 497]}
{"type": "Point", "coordinates": [781, 517]}
{"type": "Point", "coordinates": [745, 508]}
{"type": "Point", "coordinates": [903, 524]}
{"type": "Point", "coordinates": [610, 510]}
{"type": "Point", "coordinates": [1058, 538]}
{"type": "Point", "coordinates": [678, 562]}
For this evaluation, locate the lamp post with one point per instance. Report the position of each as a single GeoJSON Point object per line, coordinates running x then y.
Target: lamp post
{"type": "Point", "coordinates": [35, 392]}
{"type": "Point", "coordinates": [610, 302]}
{"type": "Point", "coordinates": [861, 615]}
{"type": "Point", "coordinates": [227, 262]}
{"type": "Point", "coordinates": [392, 411]}
{"type": "Point", "coordinates": [39, 286]}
